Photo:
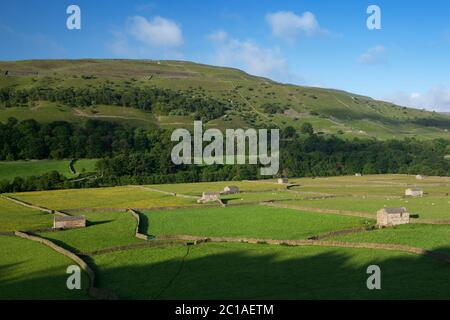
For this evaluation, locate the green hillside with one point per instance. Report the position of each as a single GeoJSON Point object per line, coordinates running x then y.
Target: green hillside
{"type": "Point", "coordinates": [250, 101]}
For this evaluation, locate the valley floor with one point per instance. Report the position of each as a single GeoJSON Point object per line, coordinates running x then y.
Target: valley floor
{"type": "Point", "coordinates": [309, 239]}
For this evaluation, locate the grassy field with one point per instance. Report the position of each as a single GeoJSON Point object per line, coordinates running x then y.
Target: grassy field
{"type": "Point", "coordinates": [242, 271]}
{"type": "Point", "coordinates": [196, 189]}
{"type": "Point", "coordinates": [14, 217]}
{"type": "Point", "coordinates": [247, 221]}
{"type": "Point", "coordinates": [420, 208]}
{"type": "Point", "coordinates": [30, 270]}
{"type": "Point", "coordinates": [432, 237]}
{"type": "Point", "coordinates": [11, 169]}
{"type": "Point", "coordinates": [104, 230]}
{"type": "Point", "coordinates": [233, 270]}
{"type": "Point", "coordinates": [117, 197]}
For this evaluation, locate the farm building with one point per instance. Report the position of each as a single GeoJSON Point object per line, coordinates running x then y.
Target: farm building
{"type": "Point", "coordinates": [230, 190]}
{"type": "Point", "coordinates": [392, 216]}
{"type": "Point", "coordinates": [283, 181]}
{"type": "Point", "coordinates": [209, 197]}
{"type": "Point", "coordinates": [414, 192]}
{"type": "Point", "coordinates": [69, 222]}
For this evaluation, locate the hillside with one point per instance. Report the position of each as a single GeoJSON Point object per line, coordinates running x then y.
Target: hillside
{"type": "Point", "coordinates": [248, 101]}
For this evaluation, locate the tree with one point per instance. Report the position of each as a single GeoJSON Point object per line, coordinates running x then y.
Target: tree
{"type": "Point", "coordinates": [307, 128]}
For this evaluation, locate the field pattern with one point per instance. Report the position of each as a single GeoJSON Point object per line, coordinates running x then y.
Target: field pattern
{"type": "Point", "coordinates": [334, 249]}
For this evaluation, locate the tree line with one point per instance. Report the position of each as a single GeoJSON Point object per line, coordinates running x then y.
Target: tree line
{"type": "Point", "coordinates": [136, 156]}
{"type": "Point", "coordinates": [151, 99]}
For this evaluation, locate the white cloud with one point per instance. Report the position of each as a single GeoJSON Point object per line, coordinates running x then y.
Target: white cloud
{"type": "Point", "coordinates": [158, 32]}
{"type": "Point", "coordinates": [288, 26]}
{"type": "Point", "coordinates": [437, 99]}
{"type": "Point", "coordinates": [247, 55]}
{"type": "Point", "coordinates": [374, 56]}
{"type": "Point", "coordinates": [218, 35]}
{"type": "Point", "coordinates": [141, 38]}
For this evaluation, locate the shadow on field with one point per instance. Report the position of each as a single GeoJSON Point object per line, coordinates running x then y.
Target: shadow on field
{"type": "Point", "coordinates": [49, 284]}
{"type": "Point", "coordinates": [95, 223]}
{"type": "Point", "coordinates": [240, 271]}
{"type": "Point", "coordinates": [217, 271]}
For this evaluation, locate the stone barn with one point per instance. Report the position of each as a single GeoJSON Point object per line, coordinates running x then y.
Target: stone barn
{"type": "Point", "coordinates": [209, 197]}
{"type": "Point", "coordinates": [414, 192]}
{"type": "Point", "coordinates": [230, 190]}
{"type": "Point", "coordinates": [387, 217]}
{"type": "Point", "coordinates": [68, 222]}
{"type": "Point", "coordinates": [283, 181]}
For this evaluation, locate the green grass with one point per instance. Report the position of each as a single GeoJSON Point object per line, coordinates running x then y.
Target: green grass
{"type": "Point", "coordinates": [242, 271]}
{"type": "Point", "coordinates": [196, 189]}
{"type": "Point", "coordinates": [14, 217]}
{"type": "Point", "coordinates": [29, 270]}
{"type": "Point", "coordinates": [116, 197]}
{"type": "Point", "coordinates": [233, 270]}
{"type": "Point", "coordinates": [11, 169]}
{"type": "Point", "coordinates": [247, 221]}
{"type": "Point", "coordinates": [432, 237]}
{"type": "Point", "coordinates": [104, 230]}
{"type": "Point", "coordinates": [330, 111]}
{"type": "Point", "coordinates": [432, 207]}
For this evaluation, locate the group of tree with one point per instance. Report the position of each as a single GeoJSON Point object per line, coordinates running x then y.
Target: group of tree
{"type": "Point", "coordinates": [151, 99]}
{"type": "Point", "coordinates": [136, 156]}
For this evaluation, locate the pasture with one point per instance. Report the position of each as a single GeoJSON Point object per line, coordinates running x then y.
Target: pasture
{"type": "Point", "coordinates": [30, 270]}
{"type": "Point", "coordinates": [242, 271]}
{"type": "Point", "coordinates": [254, 221]}
{"type": "Point", "coordinates": [11, 169]}
{"type": "Point", "coordinates": [117, 197]}
{"type": "Point", "coordinates": [14, 217]}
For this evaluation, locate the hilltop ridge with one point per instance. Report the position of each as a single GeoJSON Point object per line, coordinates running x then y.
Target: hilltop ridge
{"type": "Point", "coordinates": [250, 101]}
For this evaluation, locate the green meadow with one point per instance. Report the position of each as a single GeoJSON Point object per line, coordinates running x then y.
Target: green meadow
{"type": "Point", "coordinates": [29, 270]}
{"type": "Point", "coordinates": [247, 221]}
{"type": "Point", "coordinates": [133, 268]}
{"type": "Point", "coordinates": [11, 169]}
{"type": "Point", "coordinates": [14, 217]}
{"type": "Point", "coordinates": [243, 271]}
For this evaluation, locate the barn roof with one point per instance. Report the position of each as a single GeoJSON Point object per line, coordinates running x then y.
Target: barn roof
{"type": "Point", "coordinates": [69, 218]}
{"type": "Point", "coordinates": [394, 210]}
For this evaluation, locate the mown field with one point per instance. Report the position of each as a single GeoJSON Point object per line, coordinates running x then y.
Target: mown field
{"type": "Point", "coordinates": [132, 268]}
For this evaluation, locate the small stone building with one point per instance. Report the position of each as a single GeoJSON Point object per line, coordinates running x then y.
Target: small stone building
{"type": "Point", "coordinates": [283, 181]}
{"type": "Point", "coordinates": [209, 197]}
{"type": "Point", "coordinates": [419, 177]}
{"type": "Point", "coordinates": [414, 192]}
{"type": "Point", "coordinates": [69, 222]}
{"type": "Point", "coordinates": [230, 190]}
{"type": "Point", "coordinates": [392, 217]}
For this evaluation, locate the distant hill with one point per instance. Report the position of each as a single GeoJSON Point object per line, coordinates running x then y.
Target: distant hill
{"type": "Point", "coordinates": [251, 101]}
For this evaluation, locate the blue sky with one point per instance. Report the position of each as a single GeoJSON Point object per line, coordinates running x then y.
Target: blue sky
{"type": "Point", "coordinates": [317, 43]}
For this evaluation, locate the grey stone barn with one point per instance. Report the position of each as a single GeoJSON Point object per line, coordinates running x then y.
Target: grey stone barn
{"type": "Point", "coordinates": [209, 197]}
{"type": "Point", "coordinates": [230, 190]}
{"type": "Point", "coordinates": [387, 217]}
{"type": "Point", "coordinates": [69, 222]}
{"type": "Point", "coordinates": [414, 192]}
